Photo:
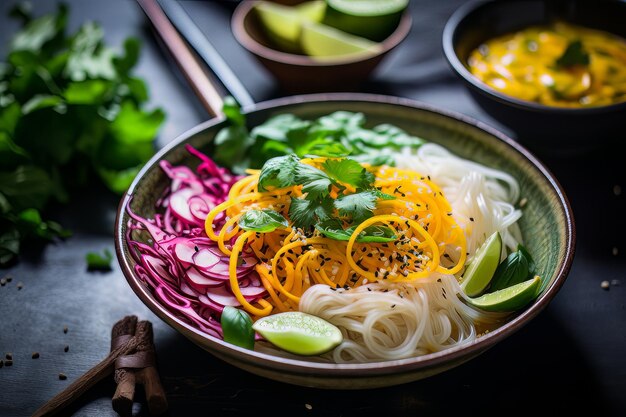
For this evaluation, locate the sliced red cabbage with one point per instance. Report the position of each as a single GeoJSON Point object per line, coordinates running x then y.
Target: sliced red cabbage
{"type": "Point", "coordinates": [186, 271]}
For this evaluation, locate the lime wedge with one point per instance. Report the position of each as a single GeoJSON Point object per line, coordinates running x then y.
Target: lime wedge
{"type": "Point", "coordinates": [480, 271]}
{"type": "Point", "coordinates": [312, 11]}
{"type": "Point", "coordinates": [299, 333]}
{"type": "Point", "coordinates": [509, 299]}
{"type": "Point", "coordinates": [284, 23]}
{"type": "Point", "coordinates": [368, 7]}
{"type": "Point", "coordinates": [372, 19]}
{"type": "Point", "coordinates": [322, 41]}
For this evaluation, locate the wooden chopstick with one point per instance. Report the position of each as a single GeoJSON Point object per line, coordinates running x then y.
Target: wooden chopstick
{"type": "Point", "coordinates": [205, 50]}
{"type": "Point", "coordinates": [207, 93]}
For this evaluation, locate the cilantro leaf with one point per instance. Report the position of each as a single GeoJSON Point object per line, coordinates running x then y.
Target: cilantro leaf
{"type": "Point", "coordinates": [305, 213]}
{"type": "Point", "coordinates": [574, 54]}
{"type": "Point", "coordinates": [278, 172]}
{"type": "Point", "coordinates": [99, 262]}
{"type": "Point", "coordinates": [348, 171]}
{"type": "Point", "coordinates": [231, 144]}
{"type": "Point", "coordinates": [314, 182]}
{"type": "Point", "coordinates": [232, 111]}
{"type": "Point", "coordinates": [373, 234]}
{"type": "Point", "coordinates": [358, 206]}
{"type": "Point", "coordinates": [262, 221]}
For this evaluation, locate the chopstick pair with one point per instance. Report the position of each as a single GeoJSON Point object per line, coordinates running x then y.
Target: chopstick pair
{"type": "Point", "coordinates": [159, 12]}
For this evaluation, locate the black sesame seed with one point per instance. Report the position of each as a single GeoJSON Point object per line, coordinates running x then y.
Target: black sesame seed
{"type": "Point", "coordinates": [62, 376]}
{"type": "Point", "coordinates": [9, 356]}
{"type": "Point", "coordinates": [196, 249]}
{"type": "Point", "coordinates": [8, 362]}
{"type": "Point", "coordinates": [471, 219]}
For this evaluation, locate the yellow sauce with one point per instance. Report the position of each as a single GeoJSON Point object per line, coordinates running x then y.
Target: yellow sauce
{"type": "Point", "coordinates": [560, 65]}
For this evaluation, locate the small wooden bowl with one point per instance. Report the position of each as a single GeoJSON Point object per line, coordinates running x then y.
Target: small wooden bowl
{"type": "Point", "coordinates": [302, 74]}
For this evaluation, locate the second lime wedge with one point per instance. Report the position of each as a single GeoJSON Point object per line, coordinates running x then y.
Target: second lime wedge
{"type": "Point", "coordinates": [299, 333]}
{"type": "Point", "coordinates": [283, 24]}
{"type": "Point", "coordinates": [322, 42]}
{"type": "Point", "coordinates": [509, 299]}
{"type": "Point", "coordinates": [480, 271]}
{"type": "Point", "coordinates": [372, 19]}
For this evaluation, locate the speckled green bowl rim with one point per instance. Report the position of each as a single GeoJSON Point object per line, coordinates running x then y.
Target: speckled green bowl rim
{"type": "Point", "coordinates": [331, 370]}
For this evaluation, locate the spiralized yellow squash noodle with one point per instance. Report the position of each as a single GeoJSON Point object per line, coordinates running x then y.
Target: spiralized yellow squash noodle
{"type": "Point", "coordinates": [428, 240]}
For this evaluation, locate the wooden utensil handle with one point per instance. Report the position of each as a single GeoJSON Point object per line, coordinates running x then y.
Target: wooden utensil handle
{"type": "Point", "coordinates": [194, 73]}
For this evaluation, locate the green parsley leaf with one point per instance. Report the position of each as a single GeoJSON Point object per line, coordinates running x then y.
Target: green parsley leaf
{"type": "Point", "coordinates": [373, 234]}
{"type": "Point", "coordinates": [383, 196]}
{"type": "Point", "coordinates": [232, 111]}
{"type": "Point", "coordinates": [574, 54]}
{"type": "Point", "coordinates": [9, 245]}
{"type": "Point", "coordinates": [305, 213]}
{"type": "Point", "coordinates": [358, 206]}
{"type": "Point", "coordinates": [314, 181]}
{"type": "Point", "coordinates": [99, 262]}
{"type": "Point", "coordinates": [278, 172]}
{"type": "Point", "coordinates": [262, 221]}
{"type": "Point", "coordinates": [231, 144]}
{"type": "Point", "coordinates": [348, 171]}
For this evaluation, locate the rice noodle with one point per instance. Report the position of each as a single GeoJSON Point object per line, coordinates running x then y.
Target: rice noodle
{"type": "Point", "coordinates": [388, 321]}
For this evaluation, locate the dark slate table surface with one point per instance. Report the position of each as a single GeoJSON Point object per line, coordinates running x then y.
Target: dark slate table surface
{"type": "Point", "coordinates": [570, 358]}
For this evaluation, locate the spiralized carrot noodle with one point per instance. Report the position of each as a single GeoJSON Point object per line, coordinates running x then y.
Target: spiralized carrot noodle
{"type": "Point", "coordinates": [428, 240]}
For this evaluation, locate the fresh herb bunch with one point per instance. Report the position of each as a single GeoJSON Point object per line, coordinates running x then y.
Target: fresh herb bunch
{"type": "Point", "coordinates": [337, 134]}
{"type": "Point", "coordinates": [71, 112]}
{"type": "Point", "coordinates": [340, 192]}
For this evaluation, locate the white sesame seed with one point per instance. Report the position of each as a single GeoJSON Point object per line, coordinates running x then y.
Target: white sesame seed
{"type": "Point", "coordinates": [605, 285]}
{"type": "Point", "coordinates": [615, 251]}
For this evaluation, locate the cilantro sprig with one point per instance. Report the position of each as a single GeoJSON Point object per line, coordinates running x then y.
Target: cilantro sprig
{"type": "Point", "coordinates": [317, 209]}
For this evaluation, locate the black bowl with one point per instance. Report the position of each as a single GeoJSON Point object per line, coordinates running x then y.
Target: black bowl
{"type": "Point", "coordinates": [541, 127]}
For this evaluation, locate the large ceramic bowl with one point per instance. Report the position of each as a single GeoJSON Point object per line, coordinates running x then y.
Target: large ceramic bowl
{"type": "Point", "coordinates": [542, 127]}
{"type": "Point", "coordinates": [547, 226]}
